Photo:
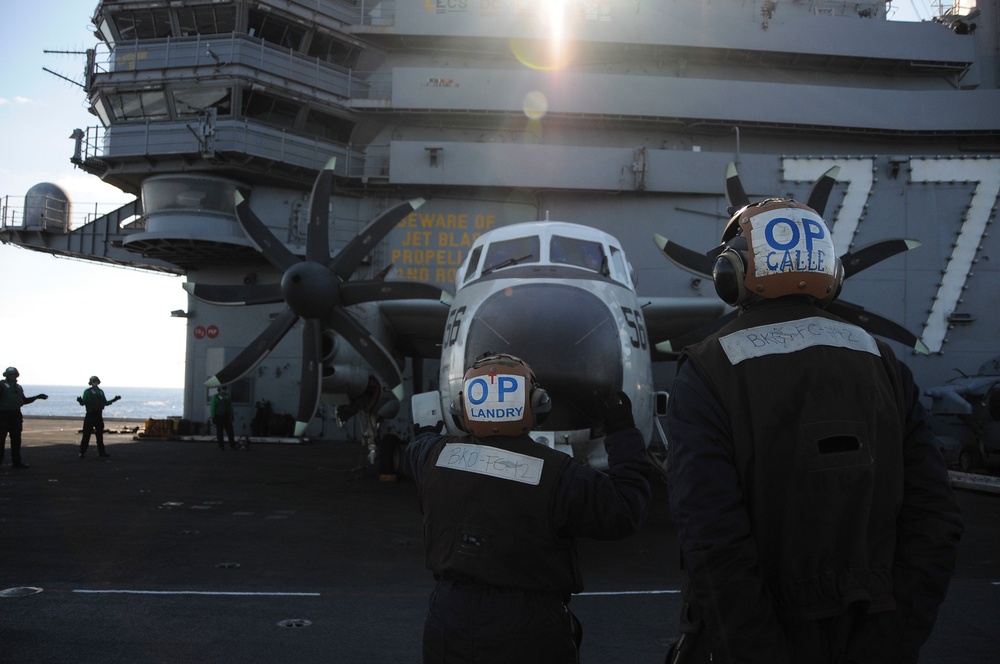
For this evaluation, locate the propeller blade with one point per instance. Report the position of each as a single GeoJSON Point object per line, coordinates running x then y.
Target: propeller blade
{"type": "Point", "coordinates": [312, 336]}
{"type": "Point", "coordinates": [352, 292]}
{"type": "Point", "coordinates": [235, 294]}
{"type": "Point", "coordinates": [255, 351]}
{"type": "Point", "coordinates": [678, 343]}
{"type": "Point", "coordinates": [276, 253]}
{"type": "Point", "coordinates": [348, 259]}
{"type": "Point", "coordinates": [865, 257]}
{"type": "Point", "coordinates": [685, 258]}
{"type": "Point", "coordinates": [370, 350]}
{"type": "Point", "coordinates": [735, 194]}
{"type": "Point", "coordinates": [318, 232]}
{"type": "Point", "coordinates": [877, 325]}
{"type": "Point", "coordinates": [820, 192]}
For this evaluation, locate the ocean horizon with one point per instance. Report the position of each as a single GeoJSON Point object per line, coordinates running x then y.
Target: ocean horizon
{"type": "Point", "coordinates": [137, 403]}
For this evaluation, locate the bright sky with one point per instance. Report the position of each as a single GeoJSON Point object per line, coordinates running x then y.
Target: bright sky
{"type": "Point", "coordinates": [63, 320]}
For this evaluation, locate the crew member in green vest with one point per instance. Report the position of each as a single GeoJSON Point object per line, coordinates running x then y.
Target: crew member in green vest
{"type": "Point", "coordinates": [94, 401]}
{"type": "Point", "coordinates": [11, 422]}
{"type": "Point", "coordinates": [221, 410]}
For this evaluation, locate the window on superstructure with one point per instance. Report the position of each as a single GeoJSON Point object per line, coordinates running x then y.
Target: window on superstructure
{"type": "Point", "coordinates": [143, 24]}
{"type": "Point", "coordinates": [275, 29]}
{"type": "Point", "coordinates": [195, 101]}
{"type": "Point", "coordinates": [267, 108]}
{"type": "Point", "coordinates": [578, 253]}
{"type": "Point", "coordinates": [329, 49]}
{"type": "Point", "coordinates": [207, 20]}
{"type": "Point", "coordinates": [129, 106]}
{"type": "Point", "coordinates": [328, 127]}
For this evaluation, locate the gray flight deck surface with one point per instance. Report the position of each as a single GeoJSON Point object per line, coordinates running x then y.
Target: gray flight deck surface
{"type": "Point", "coordinates": [176, 552]}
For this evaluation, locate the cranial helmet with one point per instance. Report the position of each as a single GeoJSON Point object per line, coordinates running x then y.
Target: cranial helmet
{"type": "Point", "coordinates": [94, 380]}
{"type": "Point", "coordinates": [500, 397]}
{"type": "Point", "coordinates": [12, 372]}
{"type": "Point", "coordinates": [774, 248]}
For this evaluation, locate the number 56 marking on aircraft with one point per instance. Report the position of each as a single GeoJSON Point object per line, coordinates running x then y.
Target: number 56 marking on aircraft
{"type": "Point", "coordinates": [637, 328]}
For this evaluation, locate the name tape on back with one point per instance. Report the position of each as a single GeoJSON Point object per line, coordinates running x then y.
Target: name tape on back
{"type": "Point", "coordinates": [794, 336]}
{"type": "Point", "coordinates": [492, 461]}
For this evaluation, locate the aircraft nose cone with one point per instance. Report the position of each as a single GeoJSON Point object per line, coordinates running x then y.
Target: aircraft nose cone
{"type": "Point", "coordinates": [566, 335]}
{"type": "Point", "coordinates": [310, 289]}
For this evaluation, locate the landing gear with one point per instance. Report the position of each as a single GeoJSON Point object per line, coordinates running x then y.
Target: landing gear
{"type": "Point", "coordinates": [970, 457]}
{"type": "Point", "coordinates": [390, 458]}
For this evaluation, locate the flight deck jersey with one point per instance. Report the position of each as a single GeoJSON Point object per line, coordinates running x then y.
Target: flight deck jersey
{"type": "Point", "coordinates": [11, 397]}
{"type": "Point", "coordinates": [487, 505]}
{"type": "Point", "coordinates": [94, 400]}
{"type": "Point", "coordinates": [828, 440]}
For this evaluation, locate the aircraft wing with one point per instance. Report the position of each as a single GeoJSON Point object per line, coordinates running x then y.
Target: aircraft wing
{"type": "Point", "coordinates": [416, 326]}
{"type": "Point", "coordinates": [670, 317]}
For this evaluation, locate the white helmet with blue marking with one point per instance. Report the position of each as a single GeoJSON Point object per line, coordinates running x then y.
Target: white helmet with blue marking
{"type": "Point", "coordinates": [774, 248]}
{"type": "Point", "coordinates": [500, 397]}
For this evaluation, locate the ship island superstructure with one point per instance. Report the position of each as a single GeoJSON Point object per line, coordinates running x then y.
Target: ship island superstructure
{"type": "Point", "coordinates": [620, 114]}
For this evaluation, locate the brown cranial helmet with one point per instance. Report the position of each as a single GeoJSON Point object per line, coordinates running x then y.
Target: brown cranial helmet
{"type": "Point", "coordinates": [500, 397]}
{"type": "Point", "coordinates": [774, 248]}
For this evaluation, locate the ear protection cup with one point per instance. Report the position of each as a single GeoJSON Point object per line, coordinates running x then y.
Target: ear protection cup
{"type": "Point", "coordinates": [541, 404]}
{"type": "Point", "coordinates": [838, 284]}
{"type": "Point", "coordinates": [728, 274]}
{"type": "Point", "coordinates": [457, 410]}
{"type": "Point", "coordinates": [730, 271]}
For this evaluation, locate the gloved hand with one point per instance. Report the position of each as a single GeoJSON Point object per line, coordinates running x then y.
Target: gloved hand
{"type": "Point", "coordinates": [618, 415]}
{"type": "Point", "coordinates": [427, 428]}
{"type": "Point", "coordinates": [43, 397]}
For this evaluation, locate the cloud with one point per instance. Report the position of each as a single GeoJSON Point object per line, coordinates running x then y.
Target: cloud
{"type": "Point", "coordinates": [22, 100]}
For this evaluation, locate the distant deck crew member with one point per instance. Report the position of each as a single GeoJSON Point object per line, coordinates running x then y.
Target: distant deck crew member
{"type": "Point", "coordinates": [814, 513]}
{"type": "Point", "coordinates": [501, 516]}
{"type": "Point", "coordinates": [221, 411]}
{"type": "Point", "coordinates": [94, 401]}
{"type": "Point", "coordinates": [11, 421]}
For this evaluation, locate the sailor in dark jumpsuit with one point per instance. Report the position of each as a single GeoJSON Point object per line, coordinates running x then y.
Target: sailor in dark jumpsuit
{"type": "Point", "coordinates": [814, 513]}
{"type": "Point", "coordinates": [501, 514]}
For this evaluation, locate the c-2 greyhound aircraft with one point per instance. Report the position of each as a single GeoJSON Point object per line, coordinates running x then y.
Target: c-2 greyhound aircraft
{"type": "Point", "coordinates": [562, 297]}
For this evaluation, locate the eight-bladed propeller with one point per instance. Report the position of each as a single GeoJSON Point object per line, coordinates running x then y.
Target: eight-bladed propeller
{"type": "Point", "coordinates": [853, 262]}
{"type": "Point", "coordinates": [316, 289]}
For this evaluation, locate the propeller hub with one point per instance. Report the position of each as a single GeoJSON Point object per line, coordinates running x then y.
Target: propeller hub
{"type": "Point", "coordinates": [310, 289]}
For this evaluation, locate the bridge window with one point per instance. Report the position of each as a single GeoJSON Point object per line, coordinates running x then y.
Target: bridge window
{"type": "Point", "coordinates": [143, 24]}
{"type": "Point", "coordinates": [194, 101]}
{"type": "Point", "coordinates": [512, 252]}
{"type": "Point", "coordinates": [328, 127]}
{"type": "Point", "coordinates": [270, 109]}
{"type": "Point", "coordinates": [274, 29]}
{"type": "Point", "coordinates": [328, 49]}
{"type": "Point", "coordinates": [178, 192]}
{"type": "Point", "coordinates": [206, 20]}
{"type": "Point", "coordinates": [150, 105]}
{"type": "Point", "coordinates": [578, 253]}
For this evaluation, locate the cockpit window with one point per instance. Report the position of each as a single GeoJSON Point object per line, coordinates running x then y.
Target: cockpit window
{"type": "Point", "coordinates": [580, 253]}
{"type": "Point", "coordinates": [511, 252]}
{"type": "Point", "coordinates": [473, 264]}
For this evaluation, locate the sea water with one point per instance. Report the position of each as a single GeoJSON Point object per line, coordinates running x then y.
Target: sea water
{"type": "Point", "coordinates": [137, 403]}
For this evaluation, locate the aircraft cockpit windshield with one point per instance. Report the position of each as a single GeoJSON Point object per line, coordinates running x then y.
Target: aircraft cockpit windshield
{"type": "Point", "coordinates": [517, 251]}
{"type": "Point", "coordinates": [584, 253]}
{"type": "Point", "coordinates": [578, 253]}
